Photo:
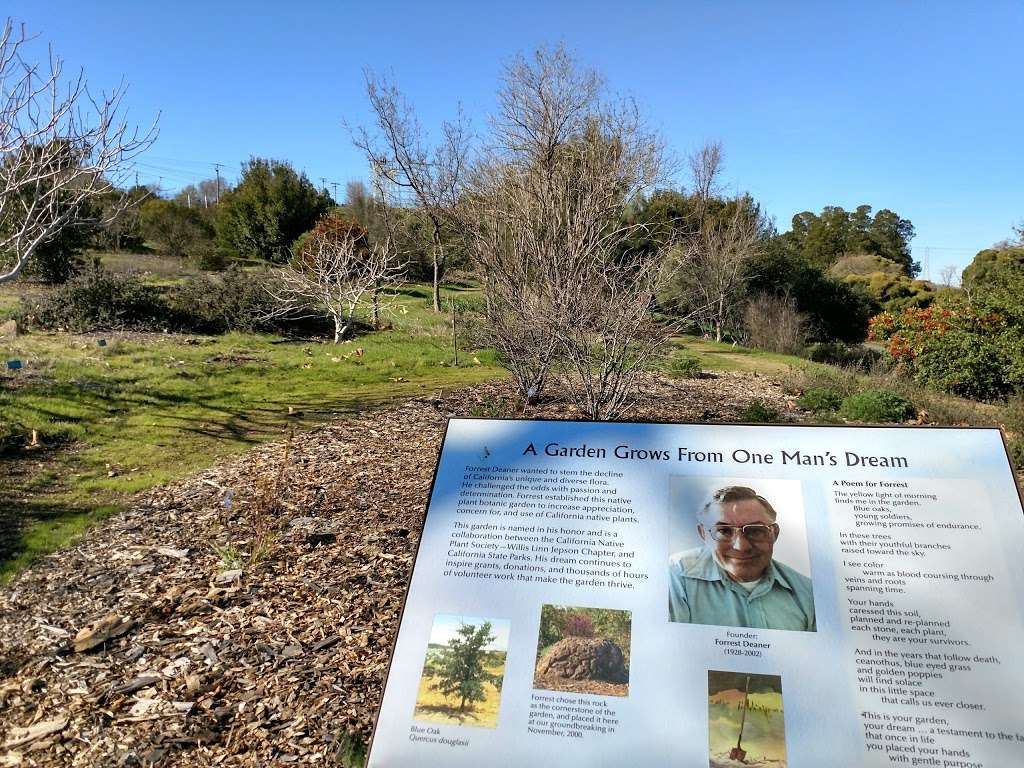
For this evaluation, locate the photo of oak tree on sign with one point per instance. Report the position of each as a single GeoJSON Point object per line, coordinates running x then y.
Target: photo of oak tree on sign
{"type": "Point", "coordinates": [463, 671]}
{"type": "Point", "coordinates": [583, 650]}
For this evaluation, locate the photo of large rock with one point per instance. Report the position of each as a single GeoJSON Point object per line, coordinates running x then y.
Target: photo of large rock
{"type": "Point", "coordinates": [585, 658]}
{"type": "Point", "coordinates": [583, 650]}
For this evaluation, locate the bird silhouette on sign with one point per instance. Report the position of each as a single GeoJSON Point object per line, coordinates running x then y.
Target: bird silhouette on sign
{"type": "Point", "coordinates": [486, 454]}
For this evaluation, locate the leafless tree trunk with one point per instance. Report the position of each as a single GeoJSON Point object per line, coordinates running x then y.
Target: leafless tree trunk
{"type": "Point", "coordinates": [399, 152]}
{"type": "Point", "coordinates": [332, 277]}
{"type": "Point", "coordinates": [60, 148]}
{"type": "Point", "coordinates": [542, 216]}
{"type": "Point", "coordinates": [949, 276]}
{"type": "Point", "coordinates": [385, 237]}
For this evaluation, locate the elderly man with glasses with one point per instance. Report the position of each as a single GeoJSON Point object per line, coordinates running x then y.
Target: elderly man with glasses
{"type": "Point", "coordinates": [732, 580]}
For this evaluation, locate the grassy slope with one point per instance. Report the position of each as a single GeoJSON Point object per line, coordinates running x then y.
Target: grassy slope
{"type": "Point", "coordinates": [145, 410]}
{"type": "Point", "coordinates": [156, 409]}
{"type": "Point", "coordinates": [715, 356]}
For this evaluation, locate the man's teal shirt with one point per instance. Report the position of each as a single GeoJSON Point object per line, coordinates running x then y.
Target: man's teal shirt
{"type": "Point", "coordinates": [701, 592]}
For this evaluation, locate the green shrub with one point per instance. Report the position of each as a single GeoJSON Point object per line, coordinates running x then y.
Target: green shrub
{"type": "Point", "coordinates": [1013, 421]}
{"type": "Point", "coordinates": [234, 300]}
{"type": "Point", "coordinates": [1016, 448]}
{"type": "Point", "coordinates": [175, 229]}
{"type": "Point", "coordinates": [99, 300]}
{"type": "Point", "coordinates": [759, 412]}
{"type": "Point", "coordinates": [685, 366]}
{"type": "Point", "coordinates": [876, 405]}
{"type": "Point", "coordinates": [968, 346]}
{"type": "Point", "coordinates": [209, 258]}
{"type": "Point", "coordinates": [844, 381]}
{"type": "Point", "coordinates": [966, 364]}
{"type": "Point", "coordinates": [820, 400]}
{"type": "Point", "coordinates": [1013, 416]}
{"type": "Point", "coordinates": [846, 355]}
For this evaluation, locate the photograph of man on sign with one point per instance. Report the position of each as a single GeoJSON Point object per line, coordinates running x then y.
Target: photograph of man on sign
{"type": "Point", "coordinates": [733, 577]}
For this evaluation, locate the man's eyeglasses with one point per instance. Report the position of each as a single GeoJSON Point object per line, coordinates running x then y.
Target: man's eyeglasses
{"type": "Point", "coordinates": [755, 533]}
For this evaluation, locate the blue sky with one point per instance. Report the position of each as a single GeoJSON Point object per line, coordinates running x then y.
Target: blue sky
{"type": "Point", "coordinates": [912, 106]}
{"type": "Point", "coordinates": [446, 628]}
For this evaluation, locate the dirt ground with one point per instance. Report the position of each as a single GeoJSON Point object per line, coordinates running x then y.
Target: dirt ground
{"type": "Point", "coordinates": [245, 616]}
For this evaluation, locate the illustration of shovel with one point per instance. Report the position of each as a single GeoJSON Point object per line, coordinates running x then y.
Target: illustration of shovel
{"type": "Point", "coordinates": [738, 752]}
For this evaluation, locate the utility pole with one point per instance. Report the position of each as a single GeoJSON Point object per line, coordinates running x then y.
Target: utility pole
{"type": "Point", "coordinates": [323, 183]}
{"type": "Point", "coordinates": [335, 185]}
{"type": "Point", "coordinates": [216, 168]}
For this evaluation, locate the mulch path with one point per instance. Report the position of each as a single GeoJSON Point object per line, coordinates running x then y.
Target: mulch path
{"type": "Point", "coordinates": [153, 641]}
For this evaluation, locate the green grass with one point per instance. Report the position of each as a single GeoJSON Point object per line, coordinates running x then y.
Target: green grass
{"type": "Point", "coordinates": [715, 356]}
{"type": "Point", "coordinates": [145, 410]}
{"type": "Point", "coordinates": [156, 269]}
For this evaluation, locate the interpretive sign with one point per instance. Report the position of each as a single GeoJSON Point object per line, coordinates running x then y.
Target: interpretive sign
{"type": "Point", "coordinates": [593, 594]}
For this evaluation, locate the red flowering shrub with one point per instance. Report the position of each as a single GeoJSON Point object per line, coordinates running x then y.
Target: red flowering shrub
{"type": "Point", "coordinates": [961, 349]}
{"type": "Point", "coordinates": [579, 625]}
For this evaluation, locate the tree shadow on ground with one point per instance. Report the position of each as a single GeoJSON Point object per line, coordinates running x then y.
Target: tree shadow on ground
{"type": "Point", "coordinates": [19, 515]}
{"type": "Point", "coordinates": [449, 711]}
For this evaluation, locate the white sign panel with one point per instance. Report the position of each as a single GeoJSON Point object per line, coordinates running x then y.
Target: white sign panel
{"type": "Point", "coordinates": [594, 594]}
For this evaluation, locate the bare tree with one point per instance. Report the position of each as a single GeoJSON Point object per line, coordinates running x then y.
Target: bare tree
{"type": "Point", "coordinates": [61, 147]}
{"type": "Point", "coordinates": [334, 274]}
{"type": "Point", "coordinates": [949, 276]}
{"type": "Point", "coordinates": [205, 194]}
{"type": "Point", "coordinates": [543, 218]}
{"type": "Point", "coordinates": [719, 260]}
{"type": "Point", "coordinates": [705, 168]}
{"type": "Point", "coordinates": [398, 151]}
{"type": "Point", "coordinates": [384, 232]}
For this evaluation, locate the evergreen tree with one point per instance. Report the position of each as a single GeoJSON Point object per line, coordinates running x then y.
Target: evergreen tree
{"type": "Point", "coordinates": [268, 210]}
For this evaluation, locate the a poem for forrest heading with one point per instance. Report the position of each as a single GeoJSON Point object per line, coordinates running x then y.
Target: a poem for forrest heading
{"type": "Point", "coordinates": [907, 551]}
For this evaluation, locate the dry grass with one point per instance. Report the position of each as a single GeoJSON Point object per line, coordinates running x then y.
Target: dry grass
{"type": "Point", "coordinates": [433, 706]}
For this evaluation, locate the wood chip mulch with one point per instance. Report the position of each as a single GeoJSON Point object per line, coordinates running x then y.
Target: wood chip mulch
{"type": "Point", "coordinates": [155, 640]}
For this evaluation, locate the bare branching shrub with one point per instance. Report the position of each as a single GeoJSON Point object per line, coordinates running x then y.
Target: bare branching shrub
{"type": "Point", "coordinates": [773, 323]}
{"type": "Point", "coordinates": [335, 272]}
{"type": "Point", "coordinates": [607, 348]}
{"type": "Point", "coordinates": [542, 219]}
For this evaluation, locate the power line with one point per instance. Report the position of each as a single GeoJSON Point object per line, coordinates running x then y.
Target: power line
{"type": "Point", "coordinates": [184, 160]}
{"type": "Point", "coordinates": [945, 248]}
